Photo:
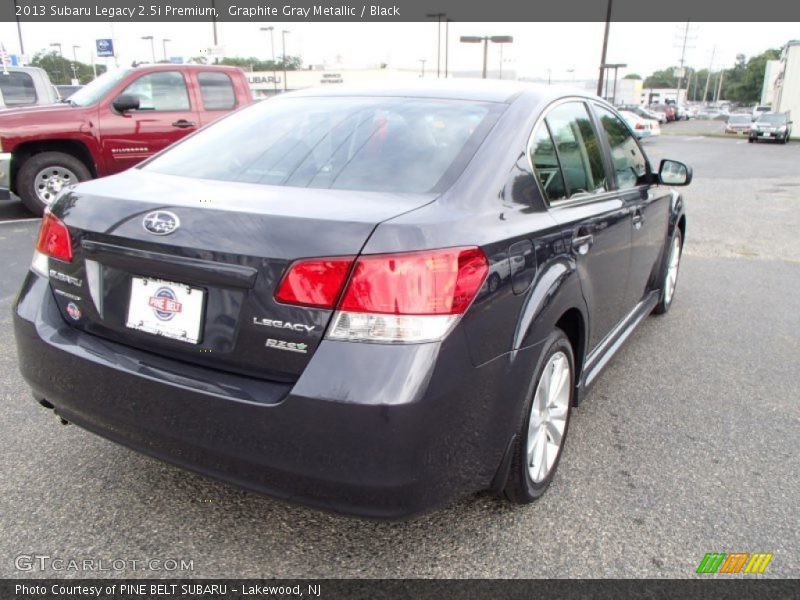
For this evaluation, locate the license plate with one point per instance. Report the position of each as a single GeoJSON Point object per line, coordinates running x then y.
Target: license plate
{"type": "Point", "coordinates": [766, 134]}
{"type": "Point", "coordinates": [165, 308]}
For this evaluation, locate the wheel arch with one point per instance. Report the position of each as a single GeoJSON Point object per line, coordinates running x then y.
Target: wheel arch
{"type": "Point", "coordinates": [26, 150]}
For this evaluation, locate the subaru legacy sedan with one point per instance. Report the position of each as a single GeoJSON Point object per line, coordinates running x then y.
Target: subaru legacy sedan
{"type": "Point", "coordinates": [368, 300]}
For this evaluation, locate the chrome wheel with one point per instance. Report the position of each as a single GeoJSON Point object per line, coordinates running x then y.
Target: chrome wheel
{"type": "Point", "coordinates": [671, 278]}
{"type": "Point", "coordinates": [548, 419]}
{"type": "Point", "coordinates": [50, 181]}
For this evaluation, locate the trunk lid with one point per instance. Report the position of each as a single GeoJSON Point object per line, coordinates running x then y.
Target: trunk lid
{"type": "Point", "coordinates": [232, 246]}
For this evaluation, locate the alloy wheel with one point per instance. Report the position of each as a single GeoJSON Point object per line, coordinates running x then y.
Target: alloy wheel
{"type": "Point", "coordinates": [671, 278]}
{"type": "Point", "coordinates": [50, 181]}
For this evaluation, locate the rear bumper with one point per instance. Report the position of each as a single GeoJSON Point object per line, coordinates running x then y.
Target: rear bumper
{"type": "Point", "coordinates": [5, 175]}
{"type": "Point", "coordinates": [372, 430]}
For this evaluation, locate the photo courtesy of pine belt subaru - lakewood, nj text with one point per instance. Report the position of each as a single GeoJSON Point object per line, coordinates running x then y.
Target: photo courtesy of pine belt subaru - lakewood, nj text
{"type": "Point", "coordinates": [371, 300]}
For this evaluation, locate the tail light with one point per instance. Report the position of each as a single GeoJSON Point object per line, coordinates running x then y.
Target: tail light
{"type": "Point", "coordinates": [640, 126]}
{"type": "Point", "coordinates": [54, 240]}
{"type": "Point", "coordinates": [390, 298]}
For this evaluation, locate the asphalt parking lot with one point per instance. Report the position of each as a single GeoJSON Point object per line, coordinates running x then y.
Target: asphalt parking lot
{"type": "Point", "coordinates": [686, 445]}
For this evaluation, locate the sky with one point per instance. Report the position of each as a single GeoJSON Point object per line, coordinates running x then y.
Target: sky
{"type": "Point", "coordinates": [562, 50]}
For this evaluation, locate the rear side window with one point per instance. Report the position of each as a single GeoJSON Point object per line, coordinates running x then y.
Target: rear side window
{"type": "Point", "coordinates": [216, 90]}
{"type": "Point", "coordinates": [578, 148]}
{"type": "Point", "coordinates": [162, 91]}
{"type": "Point", "coordinates": [545, 164]}
{"type": "Point", "coordinates": [17, 88]}
{"type": "Point", "coordinates": [351, 143]}
{"type": "Point", "coordinates": [630, 164]}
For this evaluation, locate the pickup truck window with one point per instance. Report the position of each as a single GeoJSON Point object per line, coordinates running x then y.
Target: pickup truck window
{"type": "Point", "coordinates": [95, 91]}
{"type": "Point", "coordinates": [161, 91]}
{"type": "Point", "coordinates": [217, 91]}
{"type": "Point", "coordinates": [18, 88]}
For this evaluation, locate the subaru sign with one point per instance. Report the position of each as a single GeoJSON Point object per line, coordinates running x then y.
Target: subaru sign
{"type": "Point", "coordinates": [105, 47]}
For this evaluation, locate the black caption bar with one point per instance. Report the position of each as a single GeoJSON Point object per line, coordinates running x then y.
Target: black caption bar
{"type": "Point", "coordinates": [397, 10]}
{"type": "Point", "coordinates": [370, 589]}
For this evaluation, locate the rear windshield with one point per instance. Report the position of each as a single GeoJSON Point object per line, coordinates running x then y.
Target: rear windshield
{"type": "Point", "coordinates": [351, 143]}
{"type": "Point", "coordinates": [17, 88]}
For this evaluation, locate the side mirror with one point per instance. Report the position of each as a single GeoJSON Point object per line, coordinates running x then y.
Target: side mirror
{"type": "Point", "coordinates": [126, 102]}
{"type": "Point", "coordinates": [672, 172]}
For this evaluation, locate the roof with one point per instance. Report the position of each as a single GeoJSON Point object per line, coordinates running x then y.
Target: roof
{"type": "Point", "coordinates": [478, 90]}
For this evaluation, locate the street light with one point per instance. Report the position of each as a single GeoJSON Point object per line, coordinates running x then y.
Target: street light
{"type": "Point", "coordinates": [438, 16]}
{"type": "Point", "coordinates": [283, 47]}
{"type": "Point", "coordinates": [152, 46]}
{"type": "Point", "coordinates": [272, 47]}
{"type": "Point", "coordinates": [616, 67]}
{"type": "Point", "coordinates": [58, 44]}
{"type": "Point", "coordinates": [75, 61]}
{"type": "Point", "coordinates": [495, 39]}
{"type": "Point", "coordinates": [164, 45]}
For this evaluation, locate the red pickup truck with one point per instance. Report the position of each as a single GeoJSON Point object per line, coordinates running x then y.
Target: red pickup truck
{"type": "Point", "coordinates": [115, 122]}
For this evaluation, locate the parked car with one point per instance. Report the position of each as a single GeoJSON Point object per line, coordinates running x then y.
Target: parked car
{"type": "Point", "coordinates": [64, 92]}
{"type": "Point", "coordinates": [738, 124]}
{"type": "Point", "coordinates": [112, 124]}
{"type": "Point", "coordinates": [666, 109]}
{"type": "Point", "coordinates": [642, 128]}
{"type": "Point", "coordinates": [293, 299]}
{"type": "Point", "coordinates": [759, 110]}
{"type": "Point", "coordinates": [644, 113]}
{"type": "Point", "coordinates": [25, 86]}
{"type": "Point", "coordinates": [771, 126]}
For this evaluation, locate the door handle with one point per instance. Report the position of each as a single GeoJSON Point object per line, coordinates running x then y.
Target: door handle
{"type": "Point", "coordinates": [183, 123]}
{"type": "Point", "coordinates": [582, 243]}
{"type": "Point", "coordinates": [637, 219]}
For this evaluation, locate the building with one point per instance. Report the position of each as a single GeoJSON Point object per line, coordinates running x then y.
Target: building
{"type": "Point", "coordinates": [661, 95]}
{"type": "Point", "coordinates": [771, 71]}
{"type": "Point", "coordinates": [786, 91]}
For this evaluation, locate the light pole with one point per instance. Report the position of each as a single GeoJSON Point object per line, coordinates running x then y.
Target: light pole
{"type": "Point", "coordinates": [446, 45]}
{"type": "Point", "coordinates": [19, 30]}
{"type": "Point", "coordinates": [58, 45]}
{"type": "Point", "coordinates": [272, 48]}
{"type": "Point", "coordinates": [438, 16]}
{"type": "Point", "coordinates": [75, 61]}
{"type": "Point", "coordinates": [495, 39]}
{"type": "Point", "coordinates": [283, 60]}
{"type": "Point", "coordinates": [422, 62]}
{"type": "Point", "coordinates": [605, 50]}
{"type": "Point", "coordinates": [616, 67]}
{"type": "Point", "coordinates": [152, 46]}
{"type": "Point", "coordinates": [164, 46]}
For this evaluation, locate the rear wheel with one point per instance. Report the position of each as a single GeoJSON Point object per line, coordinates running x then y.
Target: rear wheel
{"type": "Point", "coordinates": [540, 440]}
{"type": "Point", "coordinates": [42, 177]}
{"type": "Point", "coordinates": [670, 279]}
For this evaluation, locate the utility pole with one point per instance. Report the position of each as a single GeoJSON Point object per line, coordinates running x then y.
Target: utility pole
{"type": "Point", "coordinates": [19, 31]}
{"type": "Point", "coordinates": [683, 60]}
{"type": "Point", "coordinates": [708, 76]}
{"type": "Point", "coordinates": [718, 96]}
{"type": "Point", "coordinates": [283, 58]}
{"type": "Point", "coordinates": [438, 16]}
{"type": "Point", "coordinates": [422, 61]}
{"type": "Point", "coordinates": [605, 50]}
{"type": "Point", "coordinates": [446, 45]}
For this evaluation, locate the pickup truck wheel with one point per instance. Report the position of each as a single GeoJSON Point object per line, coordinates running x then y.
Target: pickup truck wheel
{"type": "Point", "coordinates": [42, 177]}
{"type": "Point", "coordinates": [670, 279]}
{"type": "Point", "coordinates": [540, 440]}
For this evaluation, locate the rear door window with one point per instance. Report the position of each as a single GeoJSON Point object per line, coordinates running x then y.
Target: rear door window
{"type": "Point", "coordinates": [545, 164]}
{"type": "Point", "coordinates": [578, 149]}
{"type": "Point", "coordinates": [18, 88]}
{"type": "Point", "coordinates": [216, 90]}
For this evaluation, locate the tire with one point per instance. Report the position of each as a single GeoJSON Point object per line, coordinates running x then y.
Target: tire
{"type": "Point", "coordinates": [667, 285]}
{"type": "Point", "coordinates": [523, 487]}
{"type": "Point", "coordinates": [494, 283]}
{"type": "Point", "coordinates": [33, 175]}
{"type": "Point", "coordinates": [751, 140]}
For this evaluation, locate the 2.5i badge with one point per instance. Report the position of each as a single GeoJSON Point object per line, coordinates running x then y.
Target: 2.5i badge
{"type": "Point", "coordinates": [289, 346]}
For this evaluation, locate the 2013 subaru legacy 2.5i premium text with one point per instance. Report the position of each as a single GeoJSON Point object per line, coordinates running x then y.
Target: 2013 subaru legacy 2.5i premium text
{"type": "Point", "coordinates": [298, 299]}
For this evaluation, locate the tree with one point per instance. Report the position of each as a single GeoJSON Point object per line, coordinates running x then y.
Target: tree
{"type": "Point", "coordinates": [293, 63]}
{"type": "Point", "coordinates": [632, 76]}
{"type": "Point", "coordinates": [662, 79]}
{"type": "Point", "coordinates": [744, 81]}
{"type": "Point", "coordinates": [59, 69]}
